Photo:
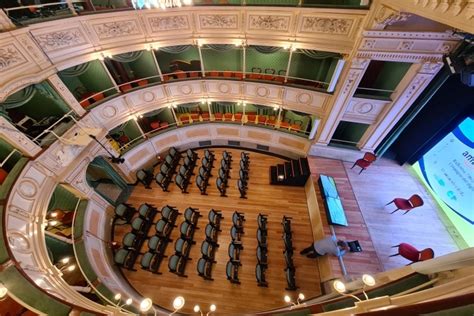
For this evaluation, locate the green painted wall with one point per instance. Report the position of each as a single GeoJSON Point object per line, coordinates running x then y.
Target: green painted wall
{"type": "Point", "coordinates": [58, 248]}
{"type": "Point", "coordinates": [391, 75]}
{"type": "Point", "coordinates": [277, 61]}
{"type": "Point", "coordinates": [62, 199]}
{"type": "Point", "coordinates": [305, 67]}
{"type": "Point", "coordinates": [230, 60]}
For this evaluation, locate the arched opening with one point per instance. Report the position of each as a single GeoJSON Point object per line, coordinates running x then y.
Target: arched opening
{"type": "Point", "coordinates": [107, 182]}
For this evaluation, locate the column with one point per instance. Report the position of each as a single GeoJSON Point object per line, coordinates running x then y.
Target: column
{"type": "Point", "coordinates": [341, 100]}
{"type": "Point", "coordinates": [64, 92]}
{"type": "Point", "coordinates": [21, 142]}
{"type": "Point", "coordinates": [415, 81]}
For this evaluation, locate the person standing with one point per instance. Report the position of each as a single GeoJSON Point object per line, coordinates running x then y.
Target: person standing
{"type": "Point", "coordinates": [328, 245]}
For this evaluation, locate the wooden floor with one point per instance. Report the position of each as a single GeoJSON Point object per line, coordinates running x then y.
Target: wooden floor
{"type": "Point", "coordinates": [359, 263]}
{"type": "Point", "coordinates": [247, 297]}
{"type": "Point", "coordinates": [422, 227]}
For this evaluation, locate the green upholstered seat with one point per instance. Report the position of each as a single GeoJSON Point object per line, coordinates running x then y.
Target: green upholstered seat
{"type": "Point", "coordinates": [146, 211]}
{"type": "Point", "coordinates": [232, 272]}
{"type": "Point", "coordinates": [121, 256]}
{"type": "Point", "coordinates": [138, 224]}
{"type": "Point", "coordinates": [182, 247]}
{"type": "Point", "coordinates": [234, 252]}
{"type": "Point", "coordinates": [290, 279]}
{"type": "Point", "coordinates": [169, 213]}
{"type": "Point", "coordinates": [129, 240]}
{"type": "Point", "coordinates": [187, 230]}
{"type": "Point", "coordinates": [207, 250]}
{"type": "Point", "coordinates": [173, 263]}
{"type": "Point", "coordinates": [124, 212]}
{"type": "Point", "coordinates": [204, 268]}
{"type": "Point", "coordinates": [211, 233]}
{"type": "Point", "coordinates": [262, 222]}
{"type": "Point", "coordinates": [235, 233]}
{"type": "Point", "coordinates": [191, 215]}
{"type": "Point", "coordinates": [146, 260]}
{"type": "Point", "coordinates": [173, 152]}
{"type": "Point", "coordinates": [154, 243]}
{"type": "Point", "coordinates": [260, 275]}
{"type": "Point", "coordinates": [215, 217]}
{"type": "Point", "coordinates": [288, 259]}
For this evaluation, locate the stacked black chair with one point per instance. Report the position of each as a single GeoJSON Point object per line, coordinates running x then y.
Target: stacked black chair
{"type": "Point", "coordinates": [232, 272]}
{"type": "Point", "coordinates": [152, 259]}
{"type": "Point", "coordinates": [167, 168]}
{"type": "Point", "coordinates": [288, 253]}
{"type": "Point", "coordinates": [182, 246]}
{"type": "Point", "coordinates": [209, 245]}
{"type": "Point", "coordinates": [242, 183]}
{"type": "Point", "coordinates": [202, 179]}
{"type": "Point", "coordinates": [185, 171]}
{"type": "Point", "coordinates": [144, 177]}
{"type": "Point", "coordinates": [262, 250]}
{"type": "Point", "coordinates": [125, 212]}
{"type": "Point", "coordinates": [223, 174]}
{"type": "Point", "coordinates": [132, 241]}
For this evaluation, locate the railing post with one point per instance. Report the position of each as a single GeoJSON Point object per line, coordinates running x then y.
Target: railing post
{"type": "Point", "coordinates": [5, 22]}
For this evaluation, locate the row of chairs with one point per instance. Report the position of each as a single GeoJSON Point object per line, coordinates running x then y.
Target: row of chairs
{"type": "Point", "coordinates": [182, 246]}
{"type": "Point", "coordinates": [202, 179]}
{"type": "Point", "coordinates": [209, 245]}
{"type": "Point", "coordinates": [185, 171]}
{"type": "Point", "coordinates": [237, 229]}
{"type": "Point", "coordinates": [223, 175]}
{"type": "Point", "coordinates": [290, 270]}
{"type": "Point", "coordinates": [242, 183]}
{"type": "Point", "coordinates": [157, 244]}
{"type": "Point", "coordinates": [168, 168]}
{"type": "Point", "coordinates": [133, 240]}
{"type": "Point", "coordinates": [262, 249]}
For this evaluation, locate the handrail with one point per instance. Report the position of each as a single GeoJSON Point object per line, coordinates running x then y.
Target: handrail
{"type": "Point", "coordinates": [52, 126]}
{"type": "Point", "coordinates": [374, 89]}
{"type": "Point", "coordinates": [89, 282]}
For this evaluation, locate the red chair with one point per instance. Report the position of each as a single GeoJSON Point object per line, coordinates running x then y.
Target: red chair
{"type": "Point", "coordinates": [364, 162]}
{"type": "Point", "coordinates": [126, 87]}
{"type": "Point", "coordinates": [284, 124]}
{"type": "Point", "coordinates": [407, 205]}
{"type": "Point", "coordinates": [218, 116]}
{"type": "Point", "coordinates": [238, 117]}
{"type": "Point", "coordinates": [143, 83]}
{"type": "Point", "coordinates": [205, 116]}
{"type": "Point", "coordinates": [155, 125]}
{"type": "Point", "coordinates": [195, 116]}
{"type": "Point", "coordinates": [228, 116]}
{"type": "Point", "coordinates": [251, 118]}
{"type": "Point", "coordinates": [262, 119]}
{"type": "Point", "coordinates": [409, 252]}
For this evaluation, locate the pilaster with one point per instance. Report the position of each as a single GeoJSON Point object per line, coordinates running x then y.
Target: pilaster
{"type": "Point", "coordinates": [61, 88]}
{"type": "Point", "coordinates": [342, 99]}
{"type": "Point", "coordinates": [415, 81]}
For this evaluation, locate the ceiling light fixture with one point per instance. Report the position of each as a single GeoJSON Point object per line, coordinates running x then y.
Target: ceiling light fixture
{"type": "Point", "coordinates": [162, 4]}
{"type": "Point", "coordinates": [178, 303]}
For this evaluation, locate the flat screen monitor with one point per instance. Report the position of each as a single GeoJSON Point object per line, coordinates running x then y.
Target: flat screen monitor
{"type": "Point", "coordinates": [334, 209]}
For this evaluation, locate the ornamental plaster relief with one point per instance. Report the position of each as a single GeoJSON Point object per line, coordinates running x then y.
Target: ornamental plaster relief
{"type": "Point", "coordinates": [387, 16]}
{"type": "Point", "coordinates": [255, 91]}
{"type": "Point", "coordinates": [11, 57]}
{"type": "Point", "coordinates": [111, 113]}
{"type": "Point", "coordinates": [160, 23]}
{"type": "Point", "coordinates": [408, 45]}
{"type": "Point", "coordinates": [364, 111]}
{"type": "Point", "coordinates": [12, 135]}
{"type": "Point", "coordinates": [277, 22]}
{"type": "Point", "coordinates": [326, 25]}
{"type": "Point", "coordinates": [185, 90]}
{"type": "Point", "coordinates": [221, 21]}
{"type": "Point", "coordinates": [66, 94]}
{"type": "Point", "coordinates": [60, 39]}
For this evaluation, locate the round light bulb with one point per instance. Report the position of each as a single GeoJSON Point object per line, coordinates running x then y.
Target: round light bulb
{"type": "Point", "coordinates": [212, 308]}
{"type": "Point", "coordinates": [301, 296]}
{"type": "Point", "coordinates": [129, 301]}
{"type": "Point", "coordinates": [117, 296]}
{"type": "Point", "coordinates": [368, 280]}
{"type": "Point", "coordinates": [339, 286]}
{"type": "Point", "coordinates": [71, 268]}
{"type": "Point", "coordinates": [53, 214]}
{"type": "Point", "coordinates": [3, 291]}
{"type": "Point", "coordinates": [145, 305]}
{"type": "Point", "coordinates": [196, 308]}
{"type": "Point", "coordinates": [65, 260]}
{"type": "Point", "coordinates": [287, 298]}
{"type": "Point", "coordinates": [178, 302]}
{"type": "Point", "coordinates": [53, 223]}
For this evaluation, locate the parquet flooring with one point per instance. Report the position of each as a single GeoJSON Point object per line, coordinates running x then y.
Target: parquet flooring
{"type": "Point", "coordinates": [275, 201]}
{"type": "Point", "coordinates": [359, 263]}
{"type": "Point", "coordinates": [422, 227]}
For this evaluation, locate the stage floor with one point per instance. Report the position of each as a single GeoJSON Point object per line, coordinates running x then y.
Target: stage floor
{"type": "Point", "coordinates": [275, 201]}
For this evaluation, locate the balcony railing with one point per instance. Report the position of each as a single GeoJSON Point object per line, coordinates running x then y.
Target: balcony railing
{"type": "Point", "coordinates": [92, 99]}
{"type": "Point", "coordinates": [35, 13]}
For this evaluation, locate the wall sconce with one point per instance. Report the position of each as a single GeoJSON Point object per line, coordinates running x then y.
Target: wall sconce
{"type": "Point", "coordinates": [300, 298]}
{"type": "Point", "coordinates": [369, 281]}
{"type": "Point", "coordinates": [178, 303]}
{"type": "Point", "coordinates": [198, 43]}
{"type": "Point", "coordinates": [212, 309]}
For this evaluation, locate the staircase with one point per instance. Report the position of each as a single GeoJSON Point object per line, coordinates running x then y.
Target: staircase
{"type": "Point", "coordinates": [294, 172]}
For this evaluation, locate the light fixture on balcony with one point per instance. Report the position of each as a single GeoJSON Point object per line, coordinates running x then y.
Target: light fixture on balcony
{"type": "Point", "coordinates": [162, 4]}
{"type": "Point", "coordinates": [299, 300]}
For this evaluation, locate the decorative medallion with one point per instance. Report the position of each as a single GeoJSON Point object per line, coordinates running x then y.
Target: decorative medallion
{"type": "Point", "coordinates": [185, 89]}
{"type": "Point", "coordinates": [312, 24]}
{"type": "Point", "coordinates": [167, 23]}
{"type": "Point", "coordinates": [368, 44]}
{"type": "Point", "coordinates": [61, 39]}
{"type": "Point", "coordinates": [223, 88]}
{"type": "Point", "coordinates": [218, 21]}
{"type": "Point", "coordinates": [18, 241]}
{"type": "Point", "coordinates": [269, 22]}
{"type": "Point", "coordinates": [262, 92]}
{"type": "Point", "coordinates": [363, 108]}
{"type": "Point", "coordinates": [148, 96]}
{"type": "Point", "coordinates": [10, 57]}
{"type": "Point", "coordinates": [406, 45]}
{"type": "Point", "coordinates": [304, 98]}
{"type": "Point", "coordinates": [109, 111]}
{"type": "Point", "coordinates": [116, 29]}
{"type": "Point", "coordinates": [27, 189]}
